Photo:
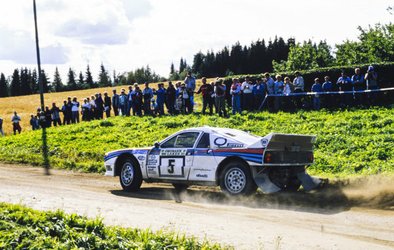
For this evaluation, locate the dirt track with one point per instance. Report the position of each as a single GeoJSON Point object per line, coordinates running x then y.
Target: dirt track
{"type": "Point", "coordinates": [343, 216]}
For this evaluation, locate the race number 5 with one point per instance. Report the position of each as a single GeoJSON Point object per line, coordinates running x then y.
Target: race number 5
{"type": "Point", "coordinates": [171, 165]}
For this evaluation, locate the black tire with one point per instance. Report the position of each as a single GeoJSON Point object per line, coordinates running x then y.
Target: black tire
{"type": "Point", "coordinates": [130, 176]}
{"type": "Point", "coordinates": [180, 186]}
{"type": "Point", "coordinates": [236, 179]}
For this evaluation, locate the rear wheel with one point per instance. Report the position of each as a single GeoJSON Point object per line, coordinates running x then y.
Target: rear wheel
{"type": "Point", "coordinates": [236, 179]}
{"type": "Point", "coordinates": [130, 175]}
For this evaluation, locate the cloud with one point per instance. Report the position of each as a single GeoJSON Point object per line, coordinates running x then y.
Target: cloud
{"type": "Point", "coordinates": [19, 46]}
{"type": "Point", "coordinates": [136, 8]}
{"type": "Point", "coordinates": [103, 32]}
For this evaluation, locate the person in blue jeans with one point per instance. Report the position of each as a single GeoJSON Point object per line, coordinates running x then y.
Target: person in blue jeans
{"type": "Point", "coordinates": [235, 93]}
{"type": "Point", "coordinates": [259, 92]}
{"type": "Point", "coordinates": [123, 102]}
{"type": "Point", "coordinates": [161, 98]}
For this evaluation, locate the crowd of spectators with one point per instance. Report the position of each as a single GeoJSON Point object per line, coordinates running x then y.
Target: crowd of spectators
{"type": "Point", "coordinates": [246, 94]}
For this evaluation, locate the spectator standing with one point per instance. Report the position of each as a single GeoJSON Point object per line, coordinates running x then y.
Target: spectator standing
{"type": "Point", "coordinates": [235, 92]}
{"type": "Point", "coordinates": [107, 104]}
{"type": "Point", "coordinates": [327, 87]}
{"type": "Point", "coordinates": [270, 90]}
{"type": "Point", "coordinates": [170, 98]}
{"type": "Point", "coordinates": [123, 102]}
{"type": "Point", "coordinates": [34, 122]}
{"type": "Point", "coordinates": [298, 84]}
{"type": "Point", "coordinates": [137, 100]}
{"type": "Point", "coordinates": [247, 94]}
{"type": "Point", "coordinates": [129, 100]}
{"type": "Point", "coordinates": [93, 110]}
{"type": "Point", "coordinates": [115, 102]}
{"type": "Point", "coordinates": [1, 127]}
{"type": "Point", "coordinates": [344, 83]}
{"type": "Point", "coordinates": [48, 117]}
{"type": "Point", "coordinates": [147, 94]}
{"type": "Point", "coordinates": [161, 95]}
{"type": "Point", "coordinates": [278, 90]}
{"type": "Point", "coordinates": [371, 78]}
{"type": "Point", "coordinates": [75, 110]}
{"type": "Point", "coordinates": [190, 83]}
{"type": "Point", "coordinates": [16, 119]}
{"type": "Point", "coordinates": [317, 88]}
{"type": "Point", "coordinates": [206, 91]}
{"type": "Point", "coordinates": [259, 92]}
{"type": "Point", "coordinates": [55, 115]}
{"type": "Point", "coordinates": [86, 110]}
{"type": "Point", "coordinates": [358, 81]}
{"type": "Point", "coordinates": [99, 106]}
{"type": "Point", "coordinates": [287, 89]}
{"type": "Point", "coordinates": [184, 96]}
{"type": "Point", "coordinates": [67, 111]}
{"type": "Point", "coordinates": [220, 93]}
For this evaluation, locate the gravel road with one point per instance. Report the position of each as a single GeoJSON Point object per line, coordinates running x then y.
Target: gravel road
{"type": "Point", "coordinates": [354, 215]}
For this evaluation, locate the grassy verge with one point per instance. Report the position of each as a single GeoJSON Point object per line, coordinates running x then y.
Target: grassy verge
{"type": "Point", "coordinates": [25, 228]}
{"type": "Point", "coordinates": [354, 142]}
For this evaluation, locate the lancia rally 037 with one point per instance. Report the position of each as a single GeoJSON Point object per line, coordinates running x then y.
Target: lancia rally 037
{"type": "Point", "coordinates": [237, 161]}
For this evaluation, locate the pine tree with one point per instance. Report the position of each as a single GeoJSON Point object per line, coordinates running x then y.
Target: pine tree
{"type": "Point", "coordinates": [34, 82]}
{"type": "Point", "coordinates": [3, 86]}
{"type": "Point", "coordinates": [104, 80]}
{"type": "Point", "coordinates": [172, 69]}
{"type": "Point", "coordinates": [182, 65]}
{"type": "Point", "coordinates": [15, 87]}
{"type": "Point", "coordinates": [45, 82]}
{"type": "Point", "coordinates": [89, 79]}
{"type": "Point", "coordinates": [25, 82]}
{"type": "Point", "coordinates": [71, 83]}
{"type": "Point", "coordinates": [57, 83]}
{"type": "Point", "coordinates": [81, 81]}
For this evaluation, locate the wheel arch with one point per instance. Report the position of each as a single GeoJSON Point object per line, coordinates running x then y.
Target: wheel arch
{"type": "Point", "coordinates": [121, 158]}
{"type": "Point", "coordinates": [224, 162]}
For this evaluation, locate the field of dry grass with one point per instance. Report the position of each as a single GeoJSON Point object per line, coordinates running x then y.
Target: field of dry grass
{"type": "Point", "coordinates": [27, 105]}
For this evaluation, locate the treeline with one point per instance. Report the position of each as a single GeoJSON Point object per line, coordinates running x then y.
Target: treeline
{"type": "Point", "coordinates": [24, 81]}
{"type": "Point", "coordinates": [375, 44]}
{"type": "Point", "coordinates": [236, 59]}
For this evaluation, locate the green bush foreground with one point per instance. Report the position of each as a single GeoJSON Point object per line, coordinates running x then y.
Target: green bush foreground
{"type": "Point", "coordinates": [25, 228]}
{"type": "Point", "coordinates": [349, 142]}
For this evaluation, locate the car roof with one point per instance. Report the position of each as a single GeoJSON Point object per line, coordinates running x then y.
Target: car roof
{"type": "Point", "coordinates": [235, 134]}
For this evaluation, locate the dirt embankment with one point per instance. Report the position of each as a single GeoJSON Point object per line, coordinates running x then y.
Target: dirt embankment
{"type": "Point", "coordinates": [357, 214]}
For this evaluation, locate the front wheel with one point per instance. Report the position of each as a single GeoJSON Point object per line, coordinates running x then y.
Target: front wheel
{"type": "Point", "coordinates": [130, 176]}
{"type": "Point", "coordinates": [236, 179]}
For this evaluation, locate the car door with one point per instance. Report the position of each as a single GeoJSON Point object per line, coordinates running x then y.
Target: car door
{"type": "Point", "coordinates": [173, 158]}
{"type": "Point", "coordinates": [204, 162]}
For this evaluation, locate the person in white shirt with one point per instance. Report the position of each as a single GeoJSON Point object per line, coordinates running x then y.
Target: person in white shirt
{"type": "Point", "coordinates": [247, 97]}
{"type": "Point", "coordinates": [298, 84]}
{"type": "Point", "coordinates": [15, 123]}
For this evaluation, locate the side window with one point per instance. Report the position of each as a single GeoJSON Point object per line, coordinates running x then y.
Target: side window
{"type": "Point", "coordinates": [204, 141]}
{"type": "Point", "coordinates": [184, 140]}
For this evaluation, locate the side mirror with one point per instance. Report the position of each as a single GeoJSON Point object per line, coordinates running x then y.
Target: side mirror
{"type": "Point", "coordinates": [157, 145]}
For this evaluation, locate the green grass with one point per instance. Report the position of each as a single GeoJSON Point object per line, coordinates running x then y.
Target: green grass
{"type": "Point", "coordinates": [25, 228]}
{"type": "Point", "coordinates": [350, 142]}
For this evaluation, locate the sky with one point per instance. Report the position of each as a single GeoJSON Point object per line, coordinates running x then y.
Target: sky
{"type": "Point", "coordinates": [127, 34]}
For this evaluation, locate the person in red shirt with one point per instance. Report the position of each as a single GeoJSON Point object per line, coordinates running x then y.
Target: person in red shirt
{"type": "Point", "coordinates": [206, 90]}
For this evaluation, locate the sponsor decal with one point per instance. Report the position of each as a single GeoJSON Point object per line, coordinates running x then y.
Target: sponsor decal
{"type": "Point", "coordinates": [173, 152]}
{"type": "Point", "coordinates": [141, 158]}
{"type": "Point", "coordinates": [202, 175]}
{"type": "Point", "coordinates": [235, 145]}
{"type": "Point", "coordinates": [220, 141]}
{"type": "Point", "coordinates": [264, 143]}
{"type": "Point", "coordinates": [203, 169]}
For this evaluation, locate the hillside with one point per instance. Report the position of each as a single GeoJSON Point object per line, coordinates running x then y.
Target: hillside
{"type": "Point", "coordinates": [355, 142]}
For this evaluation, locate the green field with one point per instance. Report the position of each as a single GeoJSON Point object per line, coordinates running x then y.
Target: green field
{"type": "Point", "coordinates": [349, 142]}
{"type": "Point", "coordinates": [25, 228]}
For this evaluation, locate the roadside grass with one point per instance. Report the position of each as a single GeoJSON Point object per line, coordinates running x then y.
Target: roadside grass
{"type": "Point", "coordinates": [25, 228]}
{"type": "Point", "coordinates": [349, 142]}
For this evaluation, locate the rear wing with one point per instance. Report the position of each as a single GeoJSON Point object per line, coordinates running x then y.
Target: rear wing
{"type": "Point", "coordinates": [288, 149]}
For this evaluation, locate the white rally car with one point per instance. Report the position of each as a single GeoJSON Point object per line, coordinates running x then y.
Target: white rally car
{"type": "Point", "coordinates": [237, 161]}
